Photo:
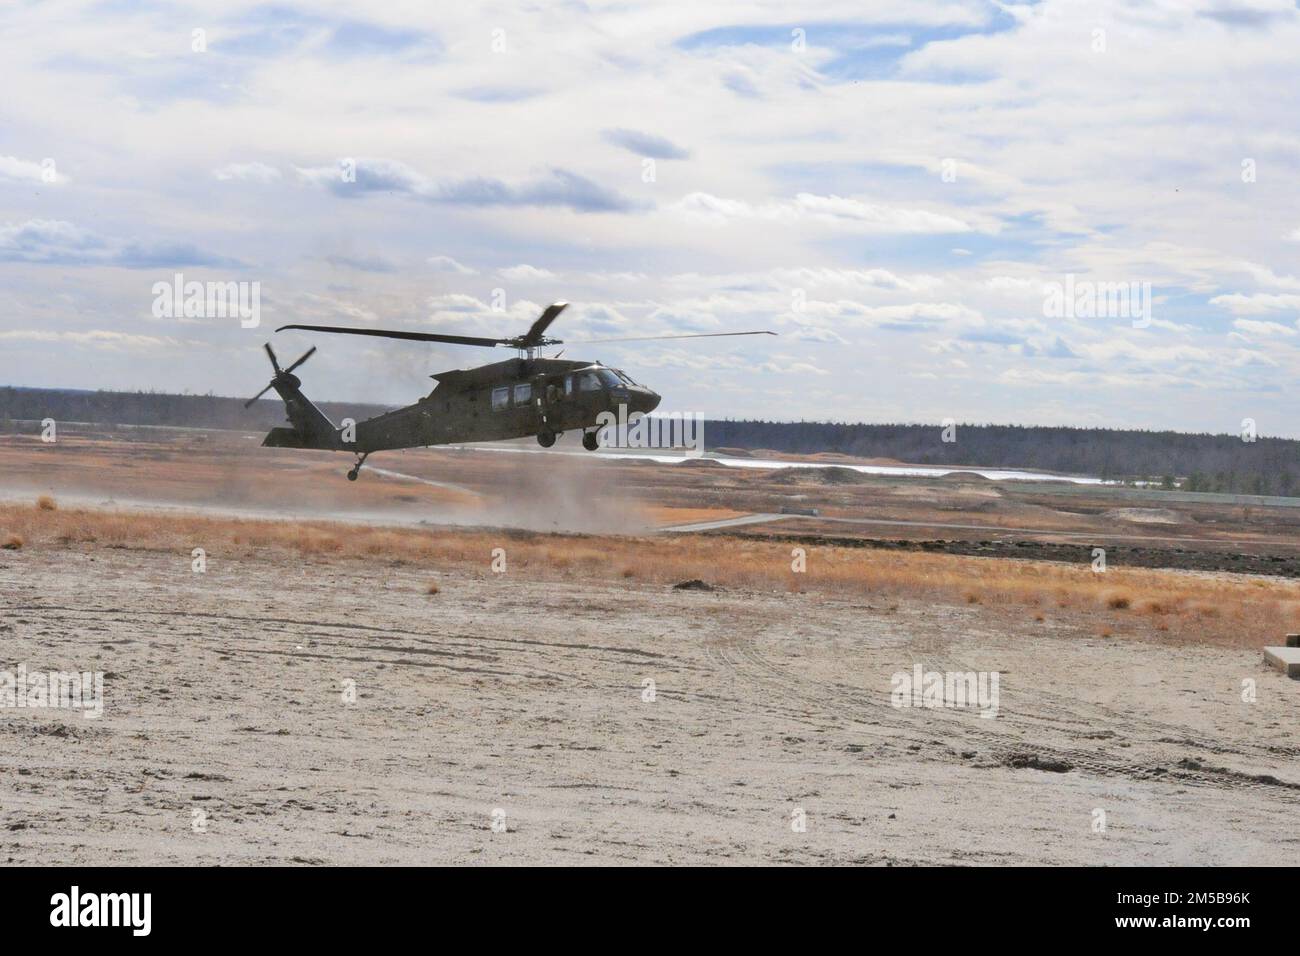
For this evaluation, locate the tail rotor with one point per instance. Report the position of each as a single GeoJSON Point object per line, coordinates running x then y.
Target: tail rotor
{"type": "Point", "coordinates": [282, 376]}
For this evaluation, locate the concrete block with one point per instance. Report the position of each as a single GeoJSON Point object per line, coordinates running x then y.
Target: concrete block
{"type": "Point", "coordinates": [1285, 659]}
{"type": "Point", "coordinates": [1293, 640]}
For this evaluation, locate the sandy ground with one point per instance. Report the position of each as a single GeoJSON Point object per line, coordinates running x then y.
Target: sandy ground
{"type": "Point", "coordinates": [227, 472]}
{"type": "Point", "coordinates": [223, 707]}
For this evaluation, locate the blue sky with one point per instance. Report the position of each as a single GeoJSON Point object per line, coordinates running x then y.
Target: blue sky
{"type": "Point", "coordinates": [889, 187]}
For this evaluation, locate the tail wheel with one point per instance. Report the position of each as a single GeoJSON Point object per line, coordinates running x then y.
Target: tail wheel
{"type": "Point", "coordinates": [590, 441]}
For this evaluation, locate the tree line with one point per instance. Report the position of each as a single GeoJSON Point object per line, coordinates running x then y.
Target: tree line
{"type": "Point", "coordinates": [1192, 462]}
{"type": "Point", "coordinates": [158, 408]}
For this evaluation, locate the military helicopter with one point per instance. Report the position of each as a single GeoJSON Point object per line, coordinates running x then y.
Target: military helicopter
{"type": "Point", "coordinates": [522, 396]}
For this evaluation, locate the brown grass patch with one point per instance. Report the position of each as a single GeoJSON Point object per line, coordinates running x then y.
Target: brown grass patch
{"type": "Point", "coordinates": [12, 542]}
{"type": "Point", "coordinates": [1228, 610]}
{"type": "Point", "coordinates": [46, 503]}
{"type": "Point", "coordinates": [662, 517]}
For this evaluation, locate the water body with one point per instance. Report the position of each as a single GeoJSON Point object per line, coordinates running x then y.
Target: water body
{"type": "Point", "coordinates": [912, 471]}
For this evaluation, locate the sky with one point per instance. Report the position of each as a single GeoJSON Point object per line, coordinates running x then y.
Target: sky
{"type": "Point", "coordinates": [894, 189]}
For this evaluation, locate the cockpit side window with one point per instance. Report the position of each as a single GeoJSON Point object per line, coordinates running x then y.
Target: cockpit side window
{"type": "Point", "coordinates": [589, 382]}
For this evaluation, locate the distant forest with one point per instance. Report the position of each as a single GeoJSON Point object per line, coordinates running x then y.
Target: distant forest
{"type": "Point", "coordinates": [1222, 463]}
{"type": "Point", "coordinates": [158, 408]}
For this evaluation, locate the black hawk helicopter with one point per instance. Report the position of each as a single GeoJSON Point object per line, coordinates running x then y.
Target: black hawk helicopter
{"type": "Point", "coordinates": [526, 395]}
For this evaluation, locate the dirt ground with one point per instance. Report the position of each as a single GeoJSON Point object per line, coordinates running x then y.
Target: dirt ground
{"type": "Point", "coordinates": [516, 485]}
{"type": "Point", "coordinates": [565, 711]}
{"type": "Point", "coordinates": [225, 737]}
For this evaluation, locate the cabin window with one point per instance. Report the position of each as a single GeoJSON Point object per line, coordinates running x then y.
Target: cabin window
{"type": "Point", "coordinates": [523, 394]}
{"type": "Point", "coordinates": [568, 385]}
{"type": "Point", "coordinates": [589, 382]}
{"type": "Point", "coordinates": [500, 398]}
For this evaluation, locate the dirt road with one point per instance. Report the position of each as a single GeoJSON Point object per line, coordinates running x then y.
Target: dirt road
{"type": "Point", "coordinates": [225, 737]}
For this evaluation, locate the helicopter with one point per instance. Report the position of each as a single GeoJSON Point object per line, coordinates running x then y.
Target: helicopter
{"type": "Point", "coordinates": [528, 395]}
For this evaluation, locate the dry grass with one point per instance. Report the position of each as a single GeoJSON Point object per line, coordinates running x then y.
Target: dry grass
{"type": "Point", "coordinates": [432, 588]}
{"type": "Point", "coordinates": [662, 516]}
{"type": "Point", "coordinates": [1229, 610]}
{"type": "Point", "coordinates": [12, 542]}
{"type": "Point", "coordinates": [46, 503]}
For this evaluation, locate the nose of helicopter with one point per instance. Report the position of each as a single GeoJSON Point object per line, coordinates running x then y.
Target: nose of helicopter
{"type": "Point", "coordinates": [642, 400]}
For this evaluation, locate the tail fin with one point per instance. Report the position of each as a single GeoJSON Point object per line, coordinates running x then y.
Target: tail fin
{"type": "Point", "coordinates": [311, 429]}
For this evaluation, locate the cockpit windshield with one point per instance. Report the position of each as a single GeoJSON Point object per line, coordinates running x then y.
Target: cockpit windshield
{"type": "Point", "coordinates": [609, 379]}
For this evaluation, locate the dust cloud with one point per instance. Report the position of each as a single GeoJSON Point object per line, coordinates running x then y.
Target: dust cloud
{"type": "Point", "coordinates": [559, 492]}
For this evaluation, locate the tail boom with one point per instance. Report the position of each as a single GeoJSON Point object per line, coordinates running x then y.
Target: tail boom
{"type": "Point", "coordinates": [310, 426]}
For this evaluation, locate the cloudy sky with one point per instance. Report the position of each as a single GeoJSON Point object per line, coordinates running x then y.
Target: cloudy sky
{"type": "Point", "coordinates": [890, 187]}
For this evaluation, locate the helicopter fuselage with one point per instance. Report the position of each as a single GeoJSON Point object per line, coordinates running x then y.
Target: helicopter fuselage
{"type": "Point", "coordinates": [516, 398]}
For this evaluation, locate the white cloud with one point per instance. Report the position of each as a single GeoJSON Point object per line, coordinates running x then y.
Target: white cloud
{"type": "Point", "coordinates": [448, 264]}
{"type": "Point", "coordinates": [13, 168]}
{"type": "Point", "coordinates": [839, 211]}
{"type": "Point", "coordinates": [1259, 303]}
{"type": "Point", "coordinates": [525, 273]}
{"type": "Point", "coordinates": [311, 305]}
{"type": "Point", "coordinates": [1016, 286]}
{"type": "Point", "coordinates": [814, 172]}
{"type": "Point", "coordinates": [248, 173]}
{"type": "Point", "coordinates": [1264, 329]}
{"type": "Point", "coordinates": [95, 338]}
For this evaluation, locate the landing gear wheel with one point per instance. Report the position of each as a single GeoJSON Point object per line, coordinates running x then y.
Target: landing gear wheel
{"type": "Point", "coordinates": [352, 475]}
{"type": "Point", "coordinates": [590, 441]}
{"type": "Point", "coordinates": [546, 439]}
{"type": "Point", "coordinates": [356, 469]}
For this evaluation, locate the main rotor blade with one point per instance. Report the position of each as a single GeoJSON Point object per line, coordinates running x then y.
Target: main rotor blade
{"type": "Point", "coordinates": [271, 354]}
{"type": "Point", "coordinates": [305, 356]}
{"type": "Point", "coordinates": [249, 403]}
{"type": "Point", "coordinates": [661, 338]}
{"type": "Point", "coordinates": [409, 336]}
{"type": "Point", "coordinates": [538, 329]}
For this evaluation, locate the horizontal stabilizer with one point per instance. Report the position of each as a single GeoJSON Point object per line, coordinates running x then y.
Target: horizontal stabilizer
{"type": "Point", "coordinates": [284, 438]}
